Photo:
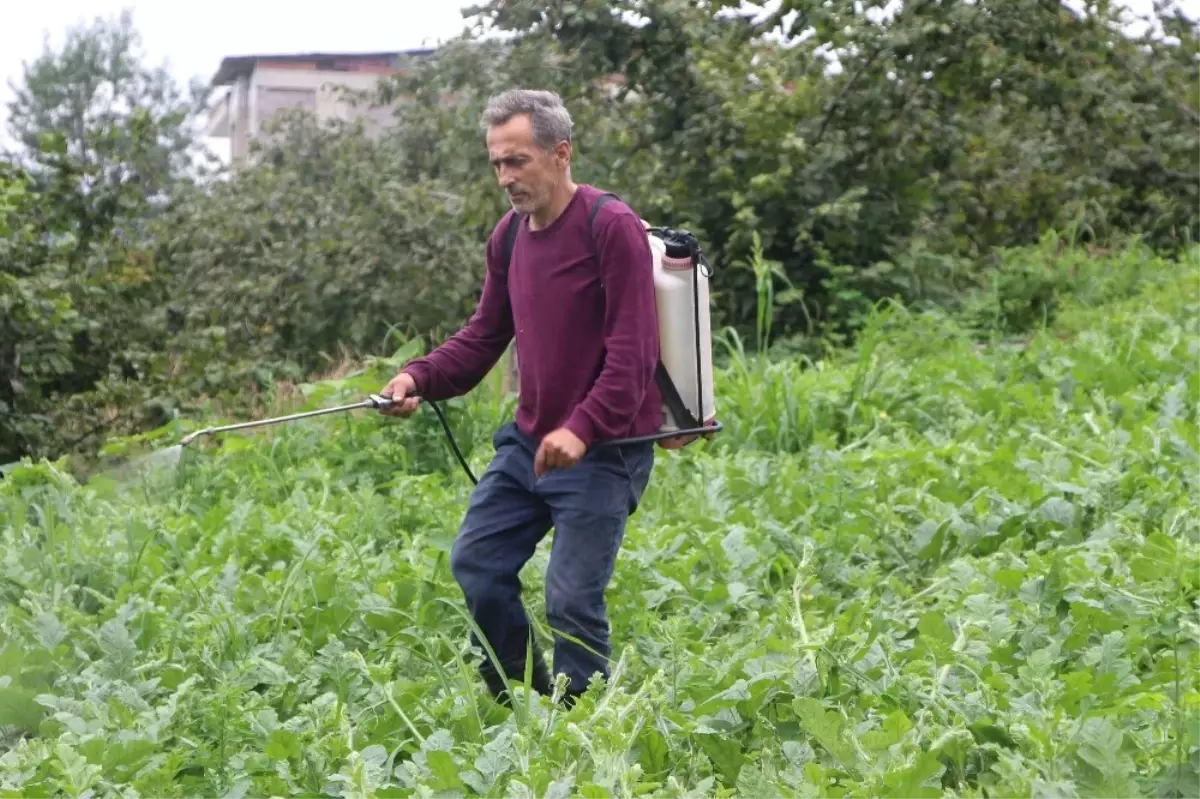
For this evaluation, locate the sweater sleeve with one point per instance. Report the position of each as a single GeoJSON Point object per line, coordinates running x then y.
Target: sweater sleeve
{"type": "Point", "coordinates": [630, 330]}
{"type": "Point", "coordinates": [463, 360]}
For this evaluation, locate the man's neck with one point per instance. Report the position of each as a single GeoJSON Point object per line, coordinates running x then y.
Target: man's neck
{"type": "Point", "coordinates": [562, 197]}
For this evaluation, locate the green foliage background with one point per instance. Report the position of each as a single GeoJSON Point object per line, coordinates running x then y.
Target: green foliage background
{"type": "Point", "coordinates": [136, 290]}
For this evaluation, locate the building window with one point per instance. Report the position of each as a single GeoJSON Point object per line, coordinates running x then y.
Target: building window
{"type": "Point", "coordinates": [273, 101]}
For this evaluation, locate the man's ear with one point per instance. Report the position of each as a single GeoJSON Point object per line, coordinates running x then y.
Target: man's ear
{"type": "Point", "coordinates": [563, 153]}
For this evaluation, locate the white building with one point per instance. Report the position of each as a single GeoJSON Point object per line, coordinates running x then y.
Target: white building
{"type": "Point", "coordinates": [259, 87]}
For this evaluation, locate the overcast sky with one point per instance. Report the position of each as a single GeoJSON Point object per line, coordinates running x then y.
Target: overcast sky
{"type": "Point", "coordinates": [193, 38]}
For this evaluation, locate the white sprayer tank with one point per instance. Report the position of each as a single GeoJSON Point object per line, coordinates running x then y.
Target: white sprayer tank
{"type": "Point", "coordinates": [676, 282]}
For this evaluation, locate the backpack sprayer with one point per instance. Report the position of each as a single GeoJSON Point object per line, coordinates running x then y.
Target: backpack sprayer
{"type": "Point", "coordinates": [684, 374]}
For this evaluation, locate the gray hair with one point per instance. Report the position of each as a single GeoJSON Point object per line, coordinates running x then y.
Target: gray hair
{"type": "Point", "coordinates": [550, 119]}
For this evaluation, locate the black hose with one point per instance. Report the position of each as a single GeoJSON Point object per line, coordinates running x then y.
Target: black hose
{"type": "Point", "coordinates": [453, 444]}
{"type": "Point", "coordinates": [387, 398]}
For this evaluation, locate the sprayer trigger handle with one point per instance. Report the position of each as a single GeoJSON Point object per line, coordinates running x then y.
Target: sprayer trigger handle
{"type": "Point", "coordinates": [382, 400]}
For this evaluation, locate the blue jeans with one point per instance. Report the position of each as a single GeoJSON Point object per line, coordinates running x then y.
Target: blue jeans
{"type": "Point", "coordinates": [509, 514]}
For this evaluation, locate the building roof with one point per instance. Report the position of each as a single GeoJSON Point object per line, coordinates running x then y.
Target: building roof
{"type": "Point", "coordinates": [234, 67]}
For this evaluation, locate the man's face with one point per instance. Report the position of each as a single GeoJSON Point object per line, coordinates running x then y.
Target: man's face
{"type": "Point", "coordinates": [526, 172]}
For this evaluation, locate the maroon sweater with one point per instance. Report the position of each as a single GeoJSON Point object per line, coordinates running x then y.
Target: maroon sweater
{"type": "Point", "coordinates": [586, 332]}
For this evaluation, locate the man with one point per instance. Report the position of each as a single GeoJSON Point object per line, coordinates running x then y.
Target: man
{"type": "Point", "coordinates": [579, 299]}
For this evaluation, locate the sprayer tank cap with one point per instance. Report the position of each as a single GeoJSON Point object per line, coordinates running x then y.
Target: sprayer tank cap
{"type": "Point", "coordinates": [678, 245]}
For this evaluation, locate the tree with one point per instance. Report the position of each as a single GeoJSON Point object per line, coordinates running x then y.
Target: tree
{"type": "Point", "coordinates": [948, 129]}
{"type": "Point", "coordinates": [105, 140]}
{"type": "Point", "coordinates": [96, 81]}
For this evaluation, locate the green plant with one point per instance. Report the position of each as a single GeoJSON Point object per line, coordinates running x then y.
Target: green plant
{"type": "Point", "coordinates": [927, 566]}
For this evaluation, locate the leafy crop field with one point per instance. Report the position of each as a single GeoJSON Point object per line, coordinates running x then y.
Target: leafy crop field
{"type": "Point", "coordinates": [939, 564]}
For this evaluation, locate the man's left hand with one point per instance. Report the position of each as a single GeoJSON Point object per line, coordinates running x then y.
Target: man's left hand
{"type": "Point", "coordinates": [560, 449]}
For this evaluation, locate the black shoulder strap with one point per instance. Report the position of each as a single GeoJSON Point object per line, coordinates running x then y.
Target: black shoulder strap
{"type": "Point", "coordinates": [596, 206]}
{"type": "Point", "coordinates": [510, 235]}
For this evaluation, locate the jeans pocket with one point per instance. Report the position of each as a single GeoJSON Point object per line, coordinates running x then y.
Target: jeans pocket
{"type": "Point", "coordinates": [503, 433]}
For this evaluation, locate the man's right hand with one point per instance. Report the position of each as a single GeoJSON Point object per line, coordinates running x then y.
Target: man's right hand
{"type": "Point", "coordinates": [400, 389]}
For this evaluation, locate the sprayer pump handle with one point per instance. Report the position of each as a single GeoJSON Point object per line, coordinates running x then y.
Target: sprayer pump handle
{"type": "Point", "coordinates": [386, 401]}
